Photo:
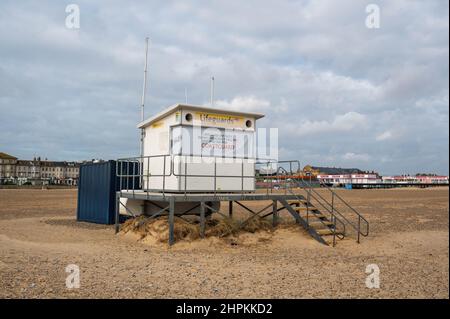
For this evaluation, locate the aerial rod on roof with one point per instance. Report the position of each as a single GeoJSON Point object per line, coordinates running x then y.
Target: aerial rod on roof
{"type": "Point", "coordinates": [212, 91]}
{"type": "Point", "coordinates": [144, 88]}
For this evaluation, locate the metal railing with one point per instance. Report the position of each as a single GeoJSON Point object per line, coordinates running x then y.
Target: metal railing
{"type": "Point", "coordinates": [132, 177]}
{"type": "Point", "coordinates": [361, 226]}
{"type": "Point", "coordinates": [291, 175]}
{"type": "Point", "coordinates": [334, 218]}
{"type": "Point", "coordinates": [134, 173]}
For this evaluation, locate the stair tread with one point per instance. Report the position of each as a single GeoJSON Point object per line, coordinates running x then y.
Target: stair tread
{"type": "Point", "coordinates": [316, 215]}
{"type": "Point", "coordinates": [305, 208]}
{"type": "Point", "coordinates": [319, 222]}
{"type": "Point", "coordinates": [327, 231]}
{"type": "Point", "coordinates": [297, 201]}
{"type": "Point", "coordinates": [322, 223]}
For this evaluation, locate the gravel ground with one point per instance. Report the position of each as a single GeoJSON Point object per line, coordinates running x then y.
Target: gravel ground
{"type": "Point", "coordinates": [409, 241]}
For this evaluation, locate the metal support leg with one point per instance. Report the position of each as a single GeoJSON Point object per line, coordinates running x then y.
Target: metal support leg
{"type": "Point", "coordinates": [171, 221]}
{"type": "Point", "coordinates": [117, 216]}
{"type": "Point", "coordinates": [230, 209]}
{"type": "Point", "coordinates": [274, 213]}
{"type": "Point", "coordinates": [202, 219]}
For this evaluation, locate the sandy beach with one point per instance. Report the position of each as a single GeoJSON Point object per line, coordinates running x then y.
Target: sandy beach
{"type": "Point", "coordinates": [409, 241]}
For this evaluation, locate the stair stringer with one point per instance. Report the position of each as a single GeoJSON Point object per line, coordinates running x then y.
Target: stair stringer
{"type": "Point", "coordinates": [302, 221]}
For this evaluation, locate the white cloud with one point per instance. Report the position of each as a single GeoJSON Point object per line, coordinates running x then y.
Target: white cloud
{"type": "Point", "coordinates": [352, 157]}
{"type": "Point", "coordinates": [329, 84]}
{"type": "Point", "coordinates": [244, 103]}
{"type": "Point", "coordinates": [386, 135]}
{"type": "Point", "coordinates": [341, 123]}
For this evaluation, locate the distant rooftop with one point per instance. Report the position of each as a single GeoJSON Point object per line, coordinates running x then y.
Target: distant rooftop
{"type": "Point", "coordinates": [7, 156]}
{"type": "Point", "coordinates": [337, 170]}
{"type": "Point", "coordinates": [47, 163]}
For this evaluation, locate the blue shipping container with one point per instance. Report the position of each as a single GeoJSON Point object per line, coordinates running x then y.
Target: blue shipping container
{"type": "Point", "coordinates": [97, 187]}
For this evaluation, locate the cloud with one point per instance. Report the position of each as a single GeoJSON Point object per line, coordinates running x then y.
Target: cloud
{"type": "Point", "coordinates": [352, 157]}
{"type": "Point", "coordinates": [341, 123]}
{"type": "Point", "coordinates": [244, 104]}
{"type": "Point", "coordinates": [386, 135]}
{"type": "Point", "coordinates": [330, 85]}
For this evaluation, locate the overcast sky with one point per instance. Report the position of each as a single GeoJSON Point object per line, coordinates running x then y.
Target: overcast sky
{"type": "Point", "coordinates": [341, 94]}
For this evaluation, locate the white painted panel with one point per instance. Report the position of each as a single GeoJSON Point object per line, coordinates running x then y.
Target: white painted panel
{"type": "Point", "coordinates": [205, 145]}
{"type": "Point", "coordinates": [215, 142]}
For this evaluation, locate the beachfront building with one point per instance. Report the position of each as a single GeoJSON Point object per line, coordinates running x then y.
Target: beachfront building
{"type": "Point", "coordinates": [343, 179]}
{"type": "Point", "coordinates": [37, 171]}
{"type": "Point", "coordinates": [7, 168]}
{"type": "Point", "coordinates": [417, 179]}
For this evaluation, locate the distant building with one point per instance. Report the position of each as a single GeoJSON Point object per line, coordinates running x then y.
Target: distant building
{"type": "Point", "coordinates": [317, 170]}
{"type": "Point", "coordinates": [341, 176]}
{"type": "Point", "coordinates": [37, 171]}
{"type": "Point", "coordinates": [7, 166]}
{"type": "Point", "coordinates": [349, 179]}
{"type": "Point", "coordinates": [418, 179]}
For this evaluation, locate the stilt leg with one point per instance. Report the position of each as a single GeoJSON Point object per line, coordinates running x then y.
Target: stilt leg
{"type": "Point", "coordinates": [171, 221]}
{"type": "Point", "coordinates": [202, 219]}
{"type": "Point", "coordinates": [117, 215]}
{"type": "Point", "coordinates": [274, 213]}
{"type": "Point", "coordinates": [230, 209]}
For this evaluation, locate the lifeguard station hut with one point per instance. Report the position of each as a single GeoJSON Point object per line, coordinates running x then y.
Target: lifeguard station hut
{"type": "Point", "coordinates": [195, 157]}
{"type": "Point", "coordinates": [190, 148]}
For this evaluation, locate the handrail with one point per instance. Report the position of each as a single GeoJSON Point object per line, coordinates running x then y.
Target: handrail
{"type": "Point", "coordinates": [357, 228]}
{"type": "Point", "coordinates": [334, 194]}
{"type": "Point", "coordinates": [324, 203]}
{"type": "Point", "coordinates": [349, 206]}
{"type": "Point", "coordinates": [141, 160]}
{"type": "Point", "coordinates": [334, 217]}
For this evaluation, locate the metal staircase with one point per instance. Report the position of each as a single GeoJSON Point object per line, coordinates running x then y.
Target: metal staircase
{"type": "Point", "coordinates": [326, 220]}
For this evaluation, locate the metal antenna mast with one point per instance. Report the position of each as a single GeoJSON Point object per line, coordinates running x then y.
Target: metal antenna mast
{"type": "Point", "coordinates": [212, 91]}
{"type": "Point", "coordinates": [144, 88]}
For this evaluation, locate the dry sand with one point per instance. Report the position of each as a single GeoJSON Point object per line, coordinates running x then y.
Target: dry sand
{"type": "Point", "coordinates": [409, 242]}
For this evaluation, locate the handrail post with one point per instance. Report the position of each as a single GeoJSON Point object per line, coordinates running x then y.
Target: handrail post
{"type": "Point", "coordinates": [128, 176]}
{"type": "Point", "coordinates": [307, 212]}
{"type": "Point", "coordinates": [185, 175]}
{"type": "Point", "coordinates": [285, 185]}
{"type": "Point", "coordinates": [242, 176]}
{"type": "Point", "coordinates": [215, 175]}
{"type": "Point", "coordinates": [139, 170]}
{"type": "Point", "coordinates": [334, 231]}
{"type": "Point", "coordinates": [359, 227]}
{"type": "Point", "coordinates": [164, 176]}
{"type": "Point", "coordinates": [332, 203]}
{"type": "Point", "coordinates": [120, 172]}
{"type": "Point", "coordinates": [134, 176]}
{"type": "Point", "coordinates": [148, 176]}
{"type": "Point", "coordinates": [308, 203]}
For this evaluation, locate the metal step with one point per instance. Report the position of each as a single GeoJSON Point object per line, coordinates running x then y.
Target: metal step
{"type": "Point", "coordinates": [316, 225]}
{"type": "Point", "coordinates": [316, 214]}
{"type": "Point", "coordinates": [301, 220]}
{"type": "Point", "coordinates": [327, 231]}
{"type": "Point", "coordinates": [303, 208]}
{"type": "Point", "coordinates": [361, 230]}
{"type": "Point", "coordinates": [297, 201]}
